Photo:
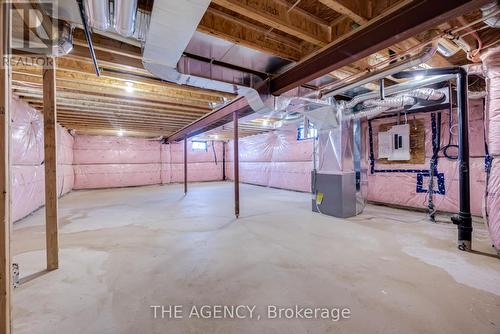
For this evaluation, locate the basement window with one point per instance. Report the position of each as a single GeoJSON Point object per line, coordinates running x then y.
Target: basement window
{"type": "Point", "coordinates": [199, 146]}
{"type": "Point", "coordinates": [311, 132]}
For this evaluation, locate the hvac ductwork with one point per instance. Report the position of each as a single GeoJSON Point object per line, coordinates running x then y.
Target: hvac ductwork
{"type": "Point", "coordinates": [398, 102]}
{"type": "Point", "coordinates": [494, 20]}
{"type": "Point", "coordinates": [98, 14]}
{"type": "Point", "coordinates": [122, 20]}
{"type": "Point", "coordinates": [414, 61]}
{"type": "Point", "coordinates": [176, 22]}
{"type": "Point", "coordinates": [124, 15]}
{"type": "Point", "coordinates": [64, 38]}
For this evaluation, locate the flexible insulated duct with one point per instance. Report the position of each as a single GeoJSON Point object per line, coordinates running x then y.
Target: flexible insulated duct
{"type": "Point", "coordinates": [395, 103]}
{"type": "Point", "coordinates": [414, 61]}
{"type": "Point", "coordinates": [391, 102]}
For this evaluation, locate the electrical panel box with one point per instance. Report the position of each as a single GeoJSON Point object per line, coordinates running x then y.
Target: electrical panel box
{"type": "Point", "coordinates": [394, 144]}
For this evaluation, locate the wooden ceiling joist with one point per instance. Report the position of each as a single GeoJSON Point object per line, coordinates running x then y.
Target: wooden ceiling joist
{"type": "Point", "coordinates": [344, 8]}
{"type": "Point", "coordinates": [110, 83]}
{"type": "Point", "coordinates": [23, 91]}
{"type": "Point", "coordinates": [20, 79]}
{"type": "Point", "coordinates": [228, 27]}
{"type": "Point", "coordinates": [276, 14]}
{"type": "Point", "coordinates": [128, 96]}
{"type": "Point", "coordinates": [110, 114]}
{"type": "Point", "coordinates": [123, 111]}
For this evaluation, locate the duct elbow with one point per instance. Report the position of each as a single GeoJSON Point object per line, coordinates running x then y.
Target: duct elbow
{"type": "Point", "coordinates": [166, 73]}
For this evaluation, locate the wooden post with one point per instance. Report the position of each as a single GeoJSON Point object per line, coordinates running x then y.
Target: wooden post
{"type": "Point", "coordinates": [223, 161]}
{"type": "Point", "coordinates": [5, 257]}
{"type": "Point", "coordinates": [236, 168]}
{"type": "Point", "coordinates": [185, 166]}
{"type": "Point", "coordinates": [50, 137]}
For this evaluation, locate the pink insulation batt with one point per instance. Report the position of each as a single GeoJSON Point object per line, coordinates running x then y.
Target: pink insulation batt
{"type": "Point", "coordinates": [109, 161]}
{"type": "Point", "coordinates": [491, 67]}
{"type": "Point", "coordinates": [275, 159]}
{"type": "Point", "coordinates": [400, 188]}
{"type": "Point", "coordinates": [202, 165]}
{"type": "Point", "coordinates": [27, 173]}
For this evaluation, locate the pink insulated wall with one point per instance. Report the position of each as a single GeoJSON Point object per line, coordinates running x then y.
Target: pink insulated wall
{"type": "Point", "coordinates": [278, 159]}
{"type": "Point", "coordinates": [109, 161]}
{"type": "Point", "coordinates": [403, 184]}
{"type": "Point", "coordinates": [274, 159]}
{"type": "Point", "coordinates": [202, 165]}
{"type": "Point", "coordinates": [27, 173]}
{"type": "Point", "coordinates": [491, 67]}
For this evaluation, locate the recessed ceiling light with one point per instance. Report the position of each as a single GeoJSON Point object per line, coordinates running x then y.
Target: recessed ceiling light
{"type": "Point", "coordinates": [129, 87]}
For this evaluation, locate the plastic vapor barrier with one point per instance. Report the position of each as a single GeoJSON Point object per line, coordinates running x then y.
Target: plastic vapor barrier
{"type": "Point", "coordinates": [406, 184]}
{"type": "Point", "coordinates": [274, 159]}
{"type": "Point", "coordinates": [109, 161]}
{"type": "Point", "coordinates": [27, 172]}
{"type": "Point", "coordinates": [491, 67]}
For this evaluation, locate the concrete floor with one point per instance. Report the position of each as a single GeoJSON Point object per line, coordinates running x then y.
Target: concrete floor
{"type": "Point", "coordinates": [123, 250]}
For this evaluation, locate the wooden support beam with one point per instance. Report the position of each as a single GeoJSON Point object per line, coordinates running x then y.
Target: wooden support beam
{"type": "Point", "coordinates": [50, 161]}
{"type": "Point", "coordinates": [236, 168]}
{"type": "Point", "coordinates": [5, 220]}
{"type": "Point", "coordinates": [213, 119]}
{"type": "Point", "coordinates": [276, 14]}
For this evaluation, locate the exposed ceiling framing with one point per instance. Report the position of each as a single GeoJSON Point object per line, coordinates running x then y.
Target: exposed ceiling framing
{"type": "Point", "coordinates": [127, 97]}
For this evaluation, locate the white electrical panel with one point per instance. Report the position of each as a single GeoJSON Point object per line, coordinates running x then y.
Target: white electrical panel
{"type": "Point", "coordinates": [394, 144]}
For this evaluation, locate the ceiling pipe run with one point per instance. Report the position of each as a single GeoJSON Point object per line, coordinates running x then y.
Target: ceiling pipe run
{"type": "Point", "coordinates": [414, 61]}
{"type": "Point", "coordinates": [411, 18]}
{"type": "Point", "coordinates": [88, 35]}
